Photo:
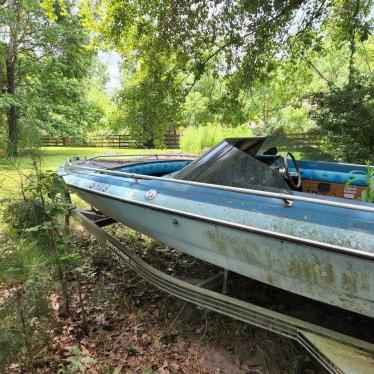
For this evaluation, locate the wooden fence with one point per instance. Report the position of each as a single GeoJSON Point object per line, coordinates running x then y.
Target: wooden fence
{"type": "Point", "coordinates": [306, 138]}
{"type": "Point", "coordinates": [107, 141]}
{"type": "Point", "coordinates": [171, 141]}
{"type": "Point", "coordinates": [300, 140]}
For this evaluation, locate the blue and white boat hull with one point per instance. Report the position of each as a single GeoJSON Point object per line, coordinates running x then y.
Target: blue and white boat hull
{"type": "Point", "coordinates": [309, 249]}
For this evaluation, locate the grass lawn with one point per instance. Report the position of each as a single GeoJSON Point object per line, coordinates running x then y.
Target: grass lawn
{"type": "Point", "coordinates": [53, 157]}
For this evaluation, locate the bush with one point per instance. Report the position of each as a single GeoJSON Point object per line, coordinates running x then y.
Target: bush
{"type": "Point", "coordinates": [25, 314]}
{"type": "Point", "coordinates": [195, 139]}
{"type": "Point", "coordinates": [345, 118]}
{"type": "Point", "coordinates": [21, 215]}
{"type": "Point", "coordinates": [36, 254]}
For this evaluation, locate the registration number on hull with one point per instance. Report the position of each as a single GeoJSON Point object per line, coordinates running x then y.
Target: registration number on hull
{"type": "Point", "coordinates": [98, 186]}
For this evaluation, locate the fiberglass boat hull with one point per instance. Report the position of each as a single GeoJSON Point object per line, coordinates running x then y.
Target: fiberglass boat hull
{"type": "Point", "coordinates": [221, 234]}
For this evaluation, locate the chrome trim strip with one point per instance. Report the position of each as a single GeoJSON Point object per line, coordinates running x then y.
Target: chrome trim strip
{"type": "Point", "coordinates": [275, 195]}
{"type": "Point", "coordinates": [254, 230]}
{"type": "Point", "coordinates": [144, 155]}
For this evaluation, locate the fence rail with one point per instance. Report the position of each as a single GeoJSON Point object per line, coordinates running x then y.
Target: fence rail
{"type": "Point", "coordinates": [106, 141]}
{"type": "Point", "coordinates": [171, 141]}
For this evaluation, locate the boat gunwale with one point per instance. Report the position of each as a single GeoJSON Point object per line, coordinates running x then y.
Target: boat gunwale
{"type": "Point", "coordinates": [287, 198]}
{"type": "Point", "coordinates": [254, 230]}
{"type": "Point", "coordinates": [157, 156]}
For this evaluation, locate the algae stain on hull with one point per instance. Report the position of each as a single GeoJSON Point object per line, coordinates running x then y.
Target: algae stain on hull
{"type": "Point", "coordinates": [242, 249]}
{"type": "Point", "coordinates": [312, 272]}
{"type": "Point", "coordinates": [307, 269]}
{"type": "Point", "coordinates": [273, 260]}
{"type": "Point", "coordinates": [349, 282]}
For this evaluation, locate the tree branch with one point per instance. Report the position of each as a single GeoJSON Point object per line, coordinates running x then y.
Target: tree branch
{"type": "Point", "coordinates": [318, 71]}
{"type": "Point", "coordinates": [201, 66]}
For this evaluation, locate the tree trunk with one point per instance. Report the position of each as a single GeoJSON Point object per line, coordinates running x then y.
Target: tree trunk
{"type": "Point", "coordinates": [352, 43]}
{"type": "Point", "coordinates": [12, 112]}
{"type": "Point", "coordinates": [11, 58]}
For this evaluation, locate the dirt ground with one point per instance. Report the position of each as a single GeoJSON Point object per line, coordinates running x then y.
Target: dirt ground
{"type": "Point", "coordinates": [135, 328]}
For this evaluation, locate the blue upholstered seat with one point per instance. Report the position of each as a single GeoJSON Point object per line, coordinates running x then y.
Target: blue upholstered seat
{"type": "Point", "coordinates": [331, 172]}
{"type": "Point", "coordinates": [156, 168]}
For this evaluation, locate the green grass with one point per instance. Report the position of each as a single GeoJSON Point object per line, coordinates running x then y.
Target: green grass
{"type": "Point", "coordinates": [53, 157]}
{"type": "Point", "coordinates": [195, 139]}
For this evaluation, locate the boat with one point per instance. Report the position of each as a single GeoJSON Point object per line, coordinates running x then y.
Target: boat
{"type": "Point", "coordinates": [268, 208]}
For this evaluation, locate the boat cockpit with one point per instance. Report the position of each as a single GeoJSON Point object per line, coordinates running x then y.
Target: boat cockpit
{"type": "Point", "coordinates": [273, 163]}
{"type": "Point", "coordinates": [276, 163]}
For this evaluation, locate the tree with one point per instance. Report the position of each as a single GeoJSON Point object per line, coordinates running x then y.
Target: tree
{"type": "Point", "coordinates": [43, 47]}
{"type": "Point", "coordinates": [150, 99]}
{"type": "Point", "coordinates": [344, 114]}
{"type": "Point", "coordinates": [345, 118]}
{"type": "Point", "coordinates": [243, 45]}
{"type": "Point", "coordinates": [238, 43]}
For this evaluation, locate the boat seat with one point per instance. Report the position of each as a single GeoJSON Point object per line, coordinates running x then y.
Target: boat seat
{"type": "Point", "coordinates": [322, 171]}
{"type": "Point", "coordinates": [331, 172]}
{"type": "Point", "coordinates": [331, 176]}
{"type": "Point", "coordinates": [156, 168]}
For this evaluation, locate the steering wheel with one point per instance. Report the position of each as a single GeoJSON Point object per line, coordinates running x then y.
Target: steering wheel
{"type": "Point", "coordinates": [288, 174]}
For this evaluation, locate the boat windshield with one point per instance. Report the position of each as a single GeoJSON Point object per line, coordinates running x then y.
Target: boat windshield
{"type": "Point", "coordinates": [233, 163]}
{"type": "Point", "coordinates": [254, 163]}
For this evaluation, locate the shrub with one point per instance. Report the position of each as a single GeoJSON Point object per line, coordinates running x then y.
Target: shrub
{"type": "Point", "coordinates": [367, 178]}
{"type": "Point", "coordinates": [38, 253]}
{"type": "Point", "coordinates": [20, 215]}
{"type": "Point", "coordinates": [25, 315]}
{"type": "Point", "coordinates": [345, 119]}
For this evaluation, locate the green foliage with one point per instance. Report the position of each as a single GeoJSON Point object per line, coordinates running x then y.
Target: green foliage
{"type": "Point", "coordinates": [25, 315]}
{"type": "Point", "coordinates": [148, 371]}
{"type": "Point", "coordinates": [150, 100]}
{"type": "Point", "coordinates": [45, 45]}
{"type": "Point", "coordinates": [185, 63]}
{"type": "Point", "coordinates": [195, 139]}
{"type": "Point", "coordinates": [130, 350]}
{"type": "Point", "coordinates": [352, 25]}
{"type": "Point", "coordinates": [368, 179]}
{"type": "Point", "coordinates": [140, 315]}
{"type": "Point", "coordinates": [39, 210]}
{"type": "Point", "coordinates": [20, 216]}
{"type": "Point", "coordinates": [250, 62]}
{"type": "Point", "coordinates": [78, 362]}
{"type": "Point", "coordinates": [168, 337]}
{"type": "Point", "coordinates": [202, 104]}
{"type": "Point", "coordinates": [196, 111]}
{"type": "Point", "coordinates": [245, 35]}
{"type": "Point", "coordinates": [31, 264]}
{"type": "Point", "coordinates": [39, 254]}
{"type": "Point", "coordinates": [344, 116]}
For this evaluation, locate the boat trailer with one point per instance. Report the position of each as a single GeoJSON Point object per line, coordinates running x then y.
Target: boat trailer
{"type": "Point", "coordinates": [336, 352]}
